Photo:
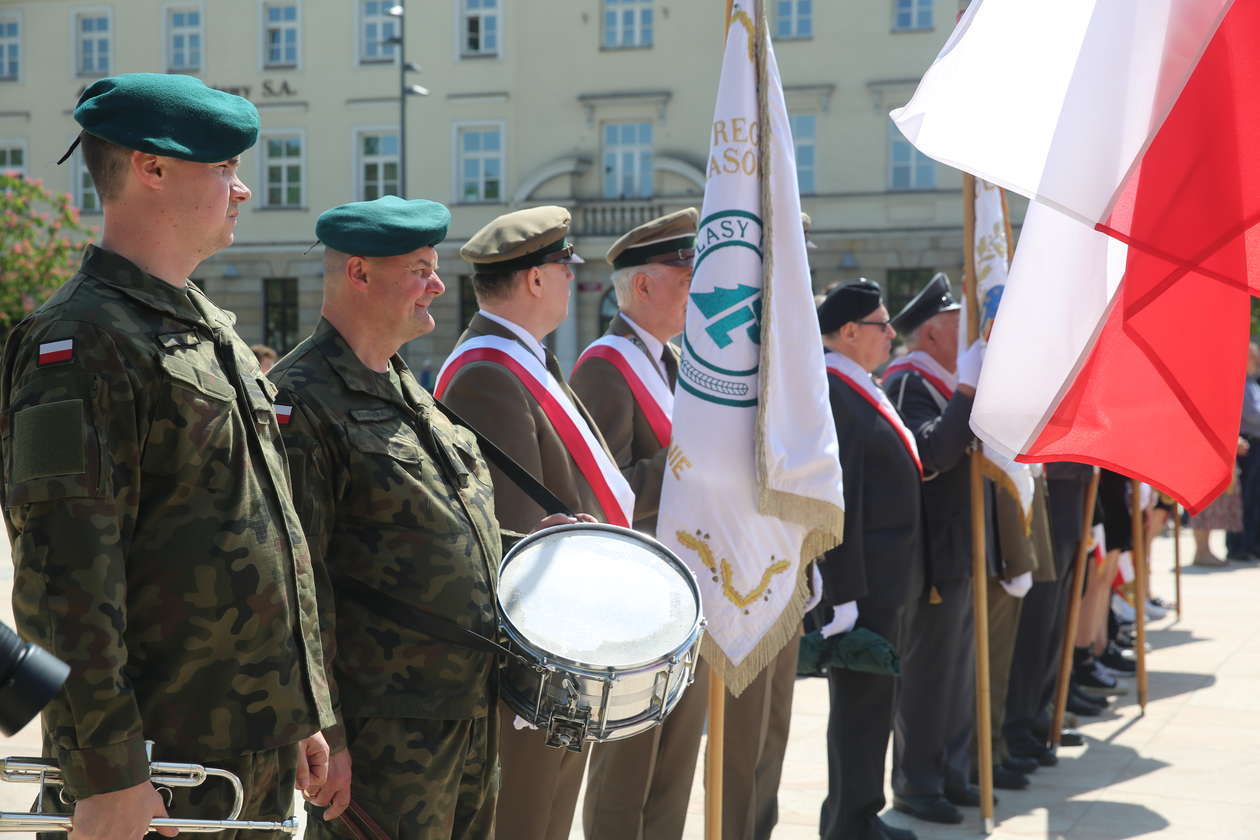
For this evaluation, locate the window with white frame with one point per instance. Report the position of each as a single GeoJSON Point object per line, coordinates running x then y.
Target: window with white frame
{"type": "Point", "coordinates": [627, 23]}
{"type": "Point", "coordinates": [183, 39]}
{"type": "Point", "coordinates": [794, 18]}
{"type": "Point", "coordinates": [627, 160]}
{"type": "Point", "coordinates": [912, 14]}
{"type": "Point", "coordinates": [377, 27]}
{"type": "Point", "coordinates": [378, 164]}
{"type": "Point", "coordinates": [13, 157]}
{"type": "Point", "coordinates": [92, 43]}
{"type": "Point", "coordinates": [805, 138]}
{"type": "Point", "coordinates": [908, 168]}
{"type": "Point", "coordinates": [84, 188]}
{"type": "Point", "coordinates": [479, 27]}
{"type": "Point", "coordinates": [10, 48]}
{"type": "Point", "coordinates": [283, 162]}
{"type": "Point", "coordinates": [280, 33]}
{"type": "Point", "coordinates": [480, 164]}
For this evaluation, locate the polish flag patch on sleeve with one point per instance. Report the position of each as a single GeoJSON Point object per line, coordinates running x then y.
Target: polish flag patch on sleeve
{"type": "Point", "coordinates": [56, 351]}
{"type": "Point", "coordinates": [283, 413]}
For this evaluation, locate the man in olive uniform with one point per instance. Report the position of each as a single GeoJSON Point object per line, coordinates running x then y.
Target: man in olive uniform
{"type": "Point", "coordinates": [870, 577]}
{"type": "Point", "coordinates": [638, 788]}
{"type": "Point", "coordinates": [397, 506]}
{"type": "Point", "coordinates": [156, 545]}
{"type": "Point", "coordinates": [509, 387]}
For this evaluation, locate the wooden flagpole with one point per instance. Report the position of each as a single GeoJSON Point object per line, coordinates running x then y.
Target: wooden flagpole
{"type": "Point", "coordinates": [1074, 612]}
{"type": "Point", "coordinates": [714, 754]}
{"type": "Point", "coordinates": [1139, 589]}
{"type": "Point", "coordinates": [1176, 512]}
{"type": "Point", "coordinates": [979, 568]}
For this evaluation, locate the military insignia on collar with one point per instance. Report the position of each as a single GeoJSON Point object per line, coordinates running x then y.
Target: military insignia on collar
{"type": "Point", "coordinates": [283, 414]}
{"type": "Point", "coordinates": [56, 351]}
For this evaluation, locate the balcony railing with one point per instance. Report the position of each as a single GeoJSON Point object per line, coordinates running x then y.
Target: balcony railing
{"type": "Point", "coordinates": [613, 218]}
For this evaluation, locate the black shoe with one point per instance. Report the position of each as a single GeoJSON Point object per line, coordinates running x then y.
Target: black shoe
{"type": "Point", "coordinates": [1005, 778]}
{"type": "Point", "coordinates": [1020, 765]}
{"type": "Point", "coordinates": [1031, 750]}
{"type": "Point", "coordinates": [1071, 738]}
{"type": "Point", "coordinates": [935, 809]}
{"type": "Point", "coordinates": [968, 797]}
{"type": "Point", "coordinates": [887, 832]}
{"type": "Point", "coordinates": [1115, 660]}
{"type": "Point", "coordinates": [1085, 707]}
{"type": "Point", "coordinates": [1087, 677]}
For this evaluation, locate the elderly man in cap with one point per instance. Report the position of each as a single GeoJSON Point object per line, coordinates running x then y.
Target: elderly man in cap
{"type": "Point", "coordinates": [156, 544]}
{"type": "Point", "coordinates": [639, 787]}
{"type": "Point", "coordinates": [399, 513]}
{"type": "Point", "coordinates": [503, 380]}
{"type": "Point", "coordinates": [873, 574]}
{"type": "Point", "coordinates": [933, 389]}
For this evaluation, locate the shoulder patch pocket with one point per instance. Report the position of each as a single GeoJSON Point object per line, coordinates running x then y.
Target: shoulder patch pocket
{"type": "Point", "coordinates": [401, 446]}
{"type": "Point", "coordinates": [207, 383]}
{"type": "Point", "coordinates": [52, 449]}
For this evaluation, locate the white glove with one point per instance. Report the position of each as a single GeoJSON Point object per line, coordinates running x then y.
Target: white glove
{"type": "Point", "coordinates": [519, 723]}
{"type": "Point", "coordinates": [1019, 585]}
{"type": "Point", "coordinates": [969, 363]}
{"type": "Point", "coordinates": [844, 617]}
{"type": "Point", "coordinates": [1126, 567]}
{"type": "Point", "coordinates": [815, 586]}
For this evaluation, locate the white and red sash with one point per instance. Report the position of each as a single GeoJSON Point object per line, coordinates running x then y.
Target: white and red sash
{"type": "Point", "coordinates": [611, 490]}
{"type": "Point", "coordinates": [932, 371]}
{"type": "Point", "coordinates": [851, 373]}
{"type": "Point", "coordinates": [651, 392]}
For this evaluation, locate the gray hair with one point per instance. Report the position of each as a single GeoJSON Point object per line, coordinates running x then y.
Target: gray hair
{"type": "Point", "coordinates": [622, 277]}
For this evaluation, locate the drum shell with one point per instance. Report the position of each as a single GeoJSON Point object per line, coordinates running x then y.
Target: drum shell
{"type": "Point", "coordinates": [621, 701]}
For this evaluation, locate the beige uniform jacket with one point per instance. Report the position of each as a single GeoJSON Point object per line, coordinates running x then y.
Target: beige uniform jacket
{"type": "Point", "coordinates": [639, 455]}
{"type": "Point", "coordinates": [494, 402]}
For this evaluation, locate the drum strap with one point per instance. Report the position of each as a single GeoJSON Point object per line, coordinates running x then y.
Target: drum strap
{"type": "Point", "coordinates": [410, 615]}
{"type": "Point", "coordinates": [531, 486]}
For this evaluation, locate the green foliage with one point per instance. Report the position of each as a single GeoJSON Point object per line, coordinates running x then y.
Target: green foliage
{"type": "Point", "coordinates": [41, 241]}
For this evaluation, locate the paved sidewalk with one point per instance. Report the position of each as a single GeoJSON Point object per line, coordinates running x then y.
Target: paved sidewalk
{"type": "Point", "coordinates": [1188, 770]}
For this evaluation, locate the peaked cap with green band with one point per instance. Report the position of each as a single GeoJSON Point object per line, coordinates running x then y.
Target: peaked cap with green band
{"type": "Point", "coordinates": [649, 242]}
{"type": "Point", "coordinates": [168, 114]}
{"type": "Point", "coordinates": [520, 239]}
{"type": "Point", "coordinates": [385, 227]}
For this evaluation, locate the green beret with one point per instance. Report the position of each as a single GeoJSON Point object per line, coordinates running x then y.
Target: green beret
{"type": "Point", "coordinates": [172, 115]}
{"type": "Point", "coordinates": [386, 227]}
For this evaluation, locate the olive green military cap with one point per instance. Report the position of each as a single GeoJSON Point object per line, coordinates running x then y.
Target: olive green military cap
{"type": "Point", "coordinates": [521, 239]}
{"type": "Point", "coordinates": [385, 227]}
{"type": "Point", "coordinates": [670, 239]}
{"type": "Point", "coordinates": [168, 114]}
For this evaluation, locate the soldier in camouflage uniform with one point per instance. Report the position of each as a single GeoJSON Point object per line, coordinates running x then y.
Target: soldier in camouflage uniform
{"type": "Point", "coordinates": [395, 499]}
{"type": "Point", "coordinates": [156, 545]}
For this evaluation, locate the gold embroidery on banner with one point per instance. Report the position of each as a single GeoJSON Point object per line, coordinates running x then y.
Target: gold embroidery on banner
{"type": "Point", "coordinates": [723, 573]}
{"type": "Point", "coordinates": [741, 17]}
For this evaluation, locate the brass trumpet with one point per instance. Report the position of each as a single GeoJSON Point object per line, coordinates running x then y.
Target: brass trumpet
{"type": "Point", "coordinates": [163, 774]}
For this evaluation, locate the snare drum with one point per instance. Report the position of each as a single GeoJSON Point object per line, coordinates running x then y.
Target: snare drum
{"type": "Point", "coordinates": [608, 622]}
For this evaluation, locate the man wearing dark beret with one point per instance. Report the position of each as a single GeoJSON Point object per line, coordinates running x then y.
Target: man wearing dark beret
{"type": "Point", "coordinates": [639, 787]}
{"type": "Point", "coordinates": [870, 577]}
{"type": "Point", "coordinates": [398, 508]}
{"type": "Point", "coordinates": [503, 380]}
{"type": "Point", "coordinates": [156, 544]}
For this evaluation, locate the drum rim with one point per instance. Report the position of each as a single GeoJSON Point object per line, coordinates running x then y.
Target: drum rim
{"type": "Point", "coordinates": [544, 656]}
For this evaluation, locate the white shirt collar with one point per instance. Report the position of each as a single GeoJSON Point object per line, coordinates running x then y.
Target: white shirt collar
{"type": "Point", "coordinates": [534, 345]}
{"type": "Point", "coordinates": [654, 346]}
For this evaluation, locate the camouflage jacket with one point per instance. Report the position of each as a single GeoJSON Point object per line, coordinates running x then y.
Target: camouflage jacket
{"type": "Point", "coordinates": [155, 542]}
{"type": "Point", "coordinates": [396, 497]}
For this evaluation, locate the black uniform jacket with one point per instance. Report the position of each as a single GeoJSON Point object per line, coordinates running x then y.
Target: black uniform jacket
{"type": "Point", "coordinates": [944, 438]}
{"type": "Point", "coordinates": [881, 554]}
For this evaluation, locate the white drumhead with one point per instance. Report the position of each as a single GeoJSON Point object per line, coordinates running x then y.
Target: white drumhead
{"type": "Point", "coordinates": [598, 597]}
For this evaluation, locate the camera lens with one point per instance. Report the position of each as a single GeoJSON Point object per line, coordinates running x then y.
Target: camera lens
{"type": "Point", "coordinates": [29, 677]}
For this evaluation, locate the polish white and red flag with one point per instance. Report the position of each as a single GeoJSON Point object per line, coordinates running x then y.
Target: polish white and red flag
{"type": "Point", "coordinates": [1134, 126]}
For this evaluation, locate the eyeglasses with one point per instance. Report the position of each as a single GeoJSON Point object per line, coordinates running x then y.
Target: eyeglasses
{"type": "Point", "coordinates": [681, 257]}
{"type": "Point", "coordinates": [883, 325]}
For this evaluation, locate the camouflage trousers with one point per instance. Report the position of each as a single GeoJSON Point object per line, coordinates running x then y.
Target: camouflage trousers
{"type": "Point", "coordinates": [420, 779]}
{"type": "Point", "coordinates": [267, 778]}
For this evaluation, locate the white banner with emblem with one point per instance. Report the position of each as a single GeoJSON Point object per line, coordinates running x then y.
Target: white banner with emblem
{"type": "Point", "coordinates": [753, 490]}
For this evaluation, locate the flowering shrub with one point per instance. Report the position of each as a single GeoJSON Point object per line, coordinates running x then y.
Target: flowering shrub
{"type": "Point", "coordinates": [41, 242]}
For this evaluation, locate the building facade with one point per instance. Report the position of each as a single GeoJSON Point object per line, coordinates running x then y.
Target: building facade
{"type": "Point", "coordinates": [602, 106]}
